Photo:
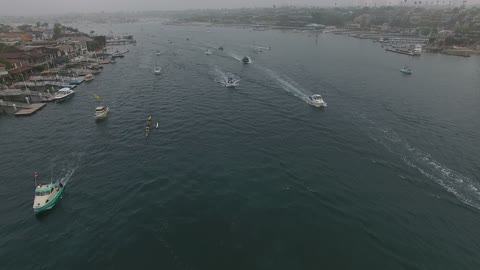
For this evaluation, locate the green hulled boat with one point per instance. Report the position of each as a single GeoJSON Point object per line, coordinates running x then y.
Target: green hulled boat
{"type": "Point", "coordinates": [46, 196]}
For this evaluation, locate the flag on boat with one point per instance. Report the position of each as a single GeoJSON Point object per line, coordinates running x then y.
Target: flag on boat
{"type": "Point", "coordinates": [96, 96]}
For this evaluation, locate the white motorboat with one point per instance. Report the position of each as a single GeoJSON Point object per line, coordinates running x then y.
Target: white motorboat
{"type": "Point", "coordinates": [157, 70]}
{"type": "Point", "coordinates": [208, 52]}
{"type": "Point", "coordinates": [317, 101]}
{"type": "Point", "coordinates": [157, 52]}
{"type": "Point", "coordinates": [101, 112]}
{"type": "Point", "coordinates": [63, 94]}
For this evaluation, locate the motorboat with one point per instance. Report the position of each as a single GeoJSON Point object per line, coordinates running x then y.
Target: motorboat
{"type": "Point", "coordinates": [231, 83]}
{"type": "Point", "coordinates": [89, 77]}
{"type": "Point", "coordinates": [406, 70]}
{"type": "Point", "coordinates": [208, 52]}
{"type": "Point", "coordinates": [220, 48]}
{"type": "Point", "coordinates": [63, 94]}
{"type": "Point", "coordinates": [101, 112]}
{"type": "Point", "coordinates": [157, 70]}
{"type": "Point", "coordinates": [46, 195]}
{"type": "Point", "coordinates": [317, 101]}
{"type": "Point", "coordinates": [246, 60]}
{"type": "Point", "coordinates": [157, 52]}
{"type": "Point", "coordinates": [156, 126]}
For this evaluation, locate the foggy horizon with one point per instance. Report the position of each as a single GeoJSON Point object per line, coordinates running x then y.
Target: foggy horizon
{"type": "Point", "coordinates": [56, 7]}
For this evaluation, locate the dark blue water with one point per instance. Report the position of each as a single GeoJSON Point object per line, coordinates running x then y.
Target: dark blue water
{"type": "Point", "coordinates": [254, 177]}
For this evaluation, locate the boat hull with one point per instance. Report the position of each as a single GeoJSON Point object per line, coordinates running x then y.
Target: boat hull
{"type": "Point", "coordinates": [102, 116]}
{"type": "Point", "coordinates": [60, 99]}
{"type": "Point", "coordinates": [50, 204]}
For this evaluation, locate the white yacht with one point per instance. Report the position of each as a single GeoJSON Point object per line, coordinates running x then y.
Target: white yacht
{"type": "Point", "coordinates": [63, 94]}
{"type": "Point", "coordinates": [317, 101]}
{"type": "Point", "coordinates": [101, 112]}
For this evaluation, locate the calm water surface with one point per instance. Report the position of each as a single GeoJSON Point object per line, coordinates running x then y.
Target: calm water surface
{"type": "Point", "coordinates": [254, 177]}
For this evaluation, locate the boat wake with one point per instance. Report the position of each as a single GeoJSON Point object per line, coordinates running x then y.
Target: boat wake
{"type": "Point", "coordinates": [289, 85]}
{"type": "Point", "coordinates": [67, 168]}
{"type": "Point", "coordinates": [236, 57]}
{"type": "Point", "coordinates": [462, 187]}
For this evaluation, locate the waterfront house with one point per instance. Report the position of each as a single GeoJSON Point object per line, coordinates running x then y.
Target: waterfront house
{"type": "Point", "coordinates": [78, 42]}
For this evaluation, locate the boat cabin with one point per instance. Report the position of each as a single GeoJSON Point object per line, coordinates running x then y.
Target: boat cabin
{"type": "Point", "coordinates": [100, 109]}
{"type": "Point", "coordinates": [45, 194]}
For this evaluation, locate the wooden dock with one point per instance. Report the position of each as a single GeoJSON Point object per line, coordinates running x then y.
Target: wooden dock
{"type": "Point", "coordinates": [31, 109]}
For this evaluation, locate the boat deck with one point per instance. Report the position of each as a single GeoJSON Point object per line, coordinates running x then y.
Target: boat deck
{"type": "Point", "coordinates": [32, 108]}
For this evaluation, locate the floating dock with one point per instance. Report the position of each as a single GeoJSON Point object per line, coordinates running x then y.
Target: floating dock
{"type": "Point", "coordinates": [31, 109]}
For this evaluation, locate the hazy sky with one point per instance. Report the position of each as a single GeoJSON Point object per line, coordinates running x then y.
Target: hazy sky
{"type": "Point", "coordinates": [32, 7]}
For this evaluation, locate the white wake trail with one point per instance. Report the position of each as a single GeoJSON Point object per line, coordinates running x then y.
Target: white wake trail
{"type": "Point", "coordinates": [288, 85]}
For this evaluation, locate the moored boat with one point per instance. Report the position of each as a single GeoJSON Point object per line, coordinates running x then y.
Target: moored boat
{"type": "Point", "coordinates": [63, 94]}
{"type": "Point", "coordinates": [74, 82]}
{"type": "Point", "coordinates": [89, 77]}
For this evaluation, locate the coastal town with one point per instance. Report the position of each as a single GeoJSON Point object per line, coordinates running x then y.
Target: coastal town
{"type": "Point", "coordinates": [407, 29]}
{"type": "Point", "coordinates": [43, 63]}
{"type": "Point", "coordinates": [38, 59]}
